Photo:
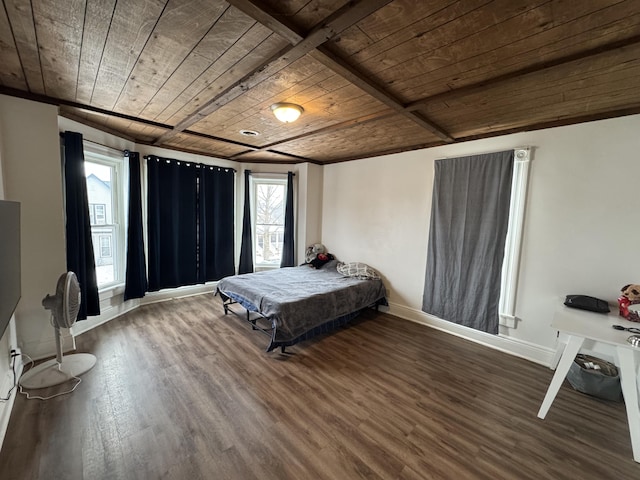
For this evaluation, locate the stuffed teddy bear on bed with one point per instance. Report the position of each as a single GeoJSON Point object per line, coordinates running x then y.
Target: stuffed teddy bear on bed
{"type": "Point", "coordinates": [316, 255]}
{"type": "Point", "coordinates": [630, 296]}
{"type": "Point", "coordinates": [313, 251]}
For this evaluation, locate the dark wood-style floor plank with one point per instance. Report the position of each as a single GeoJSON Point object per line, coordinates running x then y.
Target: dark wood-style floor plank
{"type": "Point", "coordinates": [181, 391]}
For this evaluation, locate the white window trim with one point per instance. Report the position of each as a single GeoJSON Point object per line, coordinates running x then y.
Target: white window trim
{"type": "Point", "coordinates": [513, 245]}
{"type": "Point", "coordinates": [262, 178]}
{"type": "Point", "coordinates": [111, 157]}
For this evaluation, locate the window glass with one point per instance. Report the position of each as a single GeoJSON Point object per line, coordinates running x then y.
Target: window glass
{"type": "Point", "coordinates": [100, 214]}
{"type": "Point", "coordinates": [269, 200]}
{"type": "Point", "coordinates": [104, 172]}
{"type": "Point", "coordinates": [105, 246]}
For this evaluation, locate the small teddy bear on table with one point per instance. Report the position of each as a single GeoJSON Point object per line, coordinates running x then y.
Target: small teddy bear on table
{"type": "Point", "coordinates": [630, 296]}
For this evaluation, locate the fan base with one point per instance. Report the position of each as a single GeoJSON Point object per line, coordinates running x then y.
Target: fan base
{"type": "Point", "coordinates": [48, 374]}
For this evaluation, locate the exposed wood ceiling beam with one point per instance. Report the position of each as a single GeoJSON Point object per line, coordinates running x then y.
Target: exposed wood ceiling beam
{"type": "Point", "coordinates": [559, 122]}
{"type": "Point", "coordinates": [477, 87]}
{"type": "Point", "coordinates": [250, 148]}
{"type": "Point", "coordinates": [219, 139]}
{"type": "Point", "coordinates": [337, 22]}
{"type": "Point", "coordinates": [326, 53]}
{"type": "Point", "coordinates": [332, 61]}
{"type": "Point", "coordinates": [103, 128]}
{"type": "Point", "coordinates": [342, 68]}
{"type": "Point", "coordinates": [68, 103]}
{"type": "Point", "coordinates": [468, 89]}
{"type": "Point", "coordinates": [633, 110]}
{"type": "Point", "coordinates": [289, 32]}
{"type": "Point", "coordinates": [499, 80]}
{"type": "Point", "coordinates": [336, 126]}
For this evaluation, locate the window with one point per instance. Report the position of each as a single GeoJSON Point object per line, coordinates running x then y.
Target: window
{"type": "Point", "coordinates": [105, 246]}
{"type": "Point", "coordinates": [100, 214]}
{"type": "Point", "coordinates": [97, 214]}
{"type": "Point", "coordinates": [269, 199]}
{"type": "Point", "coordinates": [474, 239]}
{"type": "Point", "coordinates": [105, 172]}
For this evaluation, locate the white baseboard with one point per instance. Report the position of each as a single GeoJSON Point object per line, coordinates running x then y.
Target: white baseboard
{"type": "Point", "coordinates": [519, 348]}
{"type": "Point", "coordinates": [106, 314]}
{"type": "Point", "coordinates": [5, 386]}
{"type": "Point", "coordinates": [115, 310]}
{"type": "Point", "coordinates": [170, 294]}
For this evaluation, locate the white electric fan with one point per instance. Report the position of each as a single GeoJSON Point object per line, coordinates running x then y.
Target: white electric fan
{"type": "Point", "coordinates": [64, 306]}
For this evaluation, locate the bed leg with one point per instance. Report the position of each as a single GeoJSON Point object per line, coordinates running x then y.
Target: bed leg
{"type": "Point", "coordinates": [282, 349]}
{"type": "Point", "coordinates": [252, 322]}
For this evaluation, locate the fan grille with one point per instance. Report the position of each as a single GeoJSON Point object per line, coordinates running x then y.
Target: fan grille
{"type": "Point", "coordinates": [65, 305]}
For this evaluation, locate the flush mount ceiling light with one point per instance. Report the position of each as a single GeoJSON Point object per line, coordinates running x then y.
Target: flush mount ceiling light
{"type": "Point", "coordinates": [286, 112]}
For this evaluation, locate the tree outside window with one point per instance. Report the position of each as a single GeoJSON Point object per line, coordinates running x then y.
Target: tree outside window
{"type": "Point", "coordinates": [269, 198]}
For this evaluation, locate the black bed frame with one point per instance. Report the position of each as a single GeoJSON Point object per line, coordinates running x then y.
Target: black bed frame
{"type": "Point", "coordinates": [227, 301]}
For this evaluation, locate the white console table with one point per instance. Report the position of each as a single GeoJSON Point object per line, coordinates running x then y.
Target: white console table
{"type": "Point", "coordinates": [581, 325]}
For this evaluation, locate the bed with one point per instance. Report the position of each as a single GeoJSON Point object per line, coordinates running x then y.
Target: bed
{"type": "Point", "coordinates": [298, 303]}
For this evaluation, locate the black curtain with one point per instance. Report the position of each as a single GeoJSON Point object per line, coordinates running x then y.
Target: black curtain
{"type": "Point", "coordinates": [80, 259]}
{"type": "Point", "coordinates": [136, 276]}
{"type": "Point", "coordinates": [469, 219]}
{"type": "Point", "coordinates": [172, 223]}
{"type": "Point", "coordinates": [246, 247]}
{"type": "Point", "coordinates": [216, 201]}
{"type": "Point", "coordinates": [288, 247]}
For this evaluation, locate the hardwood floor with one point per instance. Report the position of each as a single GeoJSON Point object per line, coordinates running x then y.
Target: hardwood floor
{"type": "Point", "coordinates": [182, 392]}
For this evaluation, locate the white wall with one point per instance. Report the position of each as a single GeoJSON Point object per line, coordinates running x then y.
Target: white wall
{"type": "Point", "coordinates": [580, 234]}
{"type": "Point", "coordinates": [8, 341]}
{"type": "Point", "coordinates": [32, 176]}
{"type": "Point", "coordinates": [310, 218]}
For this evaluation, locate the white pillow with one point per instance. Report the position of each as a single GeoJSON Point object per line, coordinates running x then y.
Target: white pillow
{"type": "Point", "coordinates": [357, 270]}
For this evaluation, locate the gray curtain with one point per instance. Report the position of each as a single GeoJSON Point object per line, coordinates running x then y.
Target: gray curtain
{"type": "Point", "coordinates": [469, 218]}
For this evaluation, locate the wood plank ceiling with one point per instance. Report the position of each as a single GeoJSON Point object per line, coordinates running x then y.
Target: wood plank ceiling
{"type": "Point", "coordinates": [373, 77]}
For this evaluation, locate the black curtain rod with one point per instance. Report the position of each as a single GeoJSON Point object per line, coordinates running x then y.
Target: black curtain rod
{"type": "Point", "coordinates": [270, 173]}
{"type": "Point", "coordinates": [147, 157]}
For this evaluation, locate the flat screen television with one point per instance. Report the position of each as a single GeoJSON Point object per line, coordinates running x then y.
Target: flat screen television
{"type": "Point", "coordinates": [9, 261]}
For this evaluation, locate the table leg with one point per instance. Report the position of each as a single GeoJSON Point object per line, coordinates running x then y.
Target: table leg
{"type": "Point", "coordinates": [557, 355]}
{"type": "Point", "coordinates": [629, 383]}
{"type": "Point", "coordinates": [569, 354]}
